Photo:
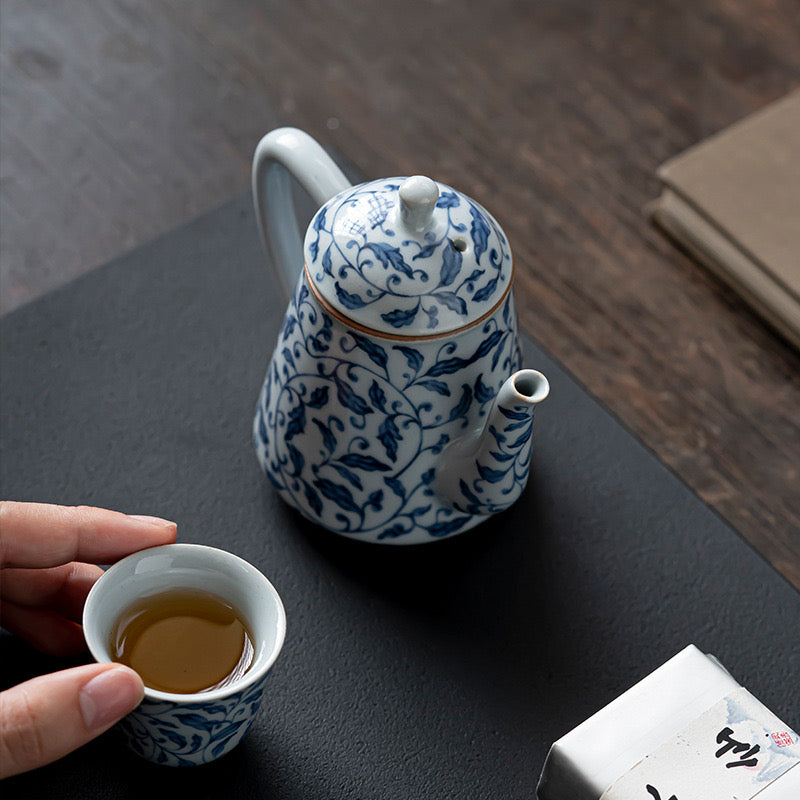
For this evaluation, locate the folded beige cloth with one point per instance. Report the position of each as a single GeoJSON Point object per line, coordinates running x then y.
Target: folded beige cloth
{"type": "Point", "coordinates": [734, 202]}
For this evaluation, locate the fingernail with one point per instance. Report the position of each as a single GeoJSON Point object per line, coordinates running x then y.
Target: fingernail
{"type": "Point", "coordinates": [109, 696]}
{"type": "Point", "coordinates": [154, 520]}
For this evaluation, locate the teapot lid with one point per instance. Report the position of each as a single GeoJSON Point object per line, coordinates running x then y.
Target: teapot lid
{"type": "Point", "coordinates": [407, 257]}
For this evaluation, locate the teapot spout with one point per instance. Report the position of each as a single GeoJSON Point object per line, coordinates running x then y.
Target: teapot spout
{"type": "Point", "coordinates": [485, 473]}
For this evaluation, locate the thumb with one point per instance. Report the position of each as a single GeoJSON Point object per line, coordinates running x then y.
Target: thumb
{"type": "Point", "coordinates": [49, 716]}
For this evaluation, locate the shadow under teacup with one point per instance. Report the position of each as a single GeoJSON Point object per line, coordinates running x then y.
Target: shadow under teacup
{"type": "Point", "coordinates": [181, 729]}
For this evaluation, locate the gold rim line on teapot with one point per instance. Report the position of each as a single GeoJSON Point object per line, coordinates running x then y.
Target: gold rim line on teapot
{"type": "Point", "coordinates": [399, 337]}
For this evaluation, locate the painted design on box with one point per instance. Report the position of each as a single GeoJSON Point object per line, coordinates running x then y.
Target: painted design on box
{"type": "Point", "coordinates": [729, 751]}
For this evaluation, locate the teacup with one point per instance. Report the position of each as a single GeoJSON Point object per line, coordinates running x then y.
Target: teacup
{"type": "Point", "coordinates": [189, 729]}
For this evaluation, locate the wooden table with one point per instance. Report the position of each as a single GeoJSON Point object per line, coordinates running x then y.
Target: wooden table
{"type": "Point", "coordinates": [122, 119]}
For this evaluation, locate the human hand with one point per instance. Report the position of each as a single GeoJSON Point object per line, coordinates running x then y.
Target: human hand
{"type": "Point", "coordinates": [48, 557]}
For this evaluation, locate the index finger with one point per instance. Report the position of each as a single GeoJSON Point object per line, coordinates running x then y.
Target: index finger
{"type": "Point", "coordinates": [43, 535]}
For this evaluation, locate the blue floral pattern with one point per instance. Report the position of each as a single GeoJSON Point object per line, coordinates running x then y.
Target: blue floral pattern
{"type": "Point", "coordinates": [492, 479]}
{"type": "Point", "coordinates": [191, 734]}
{"type": "Point", "coordinates": [367, 264]}
{"type": "Point", "coordinates": [351, 429]}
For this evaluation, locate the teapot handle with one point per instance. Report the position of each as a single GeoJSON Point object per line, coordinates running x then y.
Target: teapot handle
{"type": "Point", "coordinates": [281, 154]}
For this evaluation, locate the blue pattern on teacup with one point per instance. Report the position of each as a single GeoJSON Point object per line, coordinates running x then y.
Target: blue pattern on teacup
{"type": "Point", "coordinates": [368, 265]}
{"type": "Point", "coordinates": [195, 733]}
{"type": "Point", "coordinates": [351, 429]}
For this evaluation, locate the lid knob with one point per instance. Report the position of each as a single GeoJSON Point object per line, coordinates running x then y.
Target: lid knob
{"type": "Point", "coordinates": [418, 196]}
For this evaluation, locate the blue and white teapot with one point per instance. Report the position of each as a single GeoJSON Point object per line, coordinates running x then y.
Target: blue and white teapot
{"type": "Point", "coordinates": [394, 409]}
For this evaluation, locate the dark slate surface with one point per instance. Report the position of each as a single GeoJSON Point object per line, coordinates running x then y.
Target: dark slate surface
{"type": "Point", "coordinates": [443, 671]}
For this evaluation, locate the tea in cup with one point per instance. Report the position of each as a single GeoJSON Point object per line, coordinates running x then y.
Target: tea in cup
{"type": "Point", "coordinates": [202, 627]}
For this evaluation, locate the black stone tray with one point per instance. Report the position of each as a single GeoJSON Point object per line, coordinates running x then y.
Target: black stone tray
{"type": "Point", "coordinates": [438, 671]}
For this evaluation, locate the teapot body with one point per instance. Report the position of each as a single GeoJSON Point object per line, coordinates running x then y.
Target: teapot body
{"type": "Point", "coordinates": [393, 409]}
{"type": "Point", "coordinates": [351, 427]}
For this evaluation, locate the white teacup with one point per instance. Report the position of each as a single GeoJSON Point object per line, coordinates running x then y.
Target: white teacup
{"type": "Point", "coordinates": [188, 729]}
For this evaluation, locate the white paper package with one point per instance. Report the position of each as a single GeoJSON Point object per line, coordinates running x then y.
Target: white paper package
{"type": "Point", "coordinates": [688, 731]}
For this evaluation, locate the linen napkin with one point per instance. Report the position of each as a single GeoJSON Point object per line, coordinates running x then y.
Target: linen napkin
{"type": "Point", "coordinates": [733, 201]}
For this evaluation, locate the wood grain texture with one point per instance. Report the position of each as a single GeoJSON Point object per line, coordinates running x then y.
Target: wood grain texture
{"type": "Point", "coordinates": [121, 119]}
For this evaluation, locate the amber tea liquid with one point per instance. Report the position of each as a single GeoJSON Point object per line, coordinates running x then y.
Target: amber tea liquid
{"type": "Point", "coordinates": [184, 641]}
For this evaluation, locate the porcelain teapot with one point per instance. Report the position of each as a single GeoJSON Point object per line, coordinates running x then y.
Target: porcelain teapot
{"type": "Point", "coordinates": [394, 409]}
